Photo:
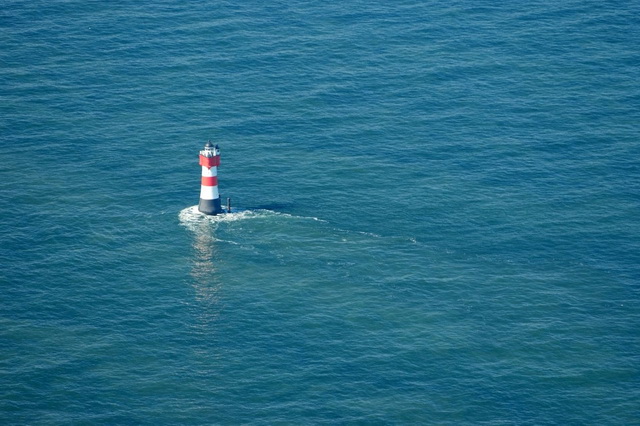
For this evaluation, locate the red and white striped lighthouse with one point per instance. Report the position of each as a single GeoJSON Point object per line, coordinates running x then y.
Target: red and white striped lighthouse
{"type": "Point", "coordinates": [209, 195]}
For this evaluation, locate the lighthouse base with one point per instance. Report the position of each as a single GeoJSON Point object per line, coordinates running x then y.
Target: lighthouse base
{"type": "Point", "coordinates": [211, 207]}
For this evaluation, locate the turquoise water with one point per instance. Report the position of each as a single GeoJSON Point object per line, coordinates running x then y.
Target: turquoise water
{"type": "Point", "coordinates": [436, 213]}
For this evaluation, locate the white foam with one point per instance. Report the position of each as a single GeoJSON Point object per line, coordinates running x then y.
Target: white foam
{"type": "Point", "coordinates": [192, 218]}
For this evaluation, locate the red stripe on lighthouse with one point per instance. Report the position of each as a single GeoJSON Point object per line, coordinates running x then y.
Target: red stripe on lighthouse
{"type": "Point", "coordinates": [209, 180]}
{"type": "Point", "coordinates": [209, 162]}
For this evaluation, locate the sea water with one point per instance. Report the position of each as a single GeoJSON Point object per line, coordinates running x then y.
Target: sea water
{"type": "Point", "coordinates": [436, 212]}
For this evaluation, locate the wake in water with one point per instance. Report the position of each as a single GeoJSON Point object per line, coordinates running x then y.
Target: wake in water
{"type": "Point", "coordinates": [193, 219]}
{"type": "Point", "coordinates": [192, 215]}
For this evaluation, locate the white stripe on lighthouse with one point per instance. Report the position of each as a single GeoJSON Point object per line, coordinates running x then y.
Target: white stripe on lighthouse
{"type": "Point", "coordinates": [213, 171]}
{"type": "Point", "coordinates": [209, 192]}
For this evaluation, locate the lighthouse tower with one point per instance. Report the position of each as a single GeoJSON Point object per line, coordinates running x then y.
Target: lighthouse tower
{"type": "Point", "coordinates": [209, 195]}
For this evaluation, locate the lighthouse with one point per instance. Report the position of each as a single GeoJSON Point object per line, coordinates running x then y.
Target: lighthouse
{"type": "Point", "coordinates": [209, 195]}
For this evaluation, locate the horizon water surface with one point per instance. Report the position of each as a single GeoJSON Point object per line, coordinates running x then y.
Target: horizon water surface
{"type": "Point", "coordinates": [435, 212]}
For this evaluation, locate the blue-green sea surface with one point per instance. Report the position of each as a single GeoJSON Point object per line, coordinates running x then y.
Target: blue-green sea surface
{"type": "Point", "coordinates": [436, 212]}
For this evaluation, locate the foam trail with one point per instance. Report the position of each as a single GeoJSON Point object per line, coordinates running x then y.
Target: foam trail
{"type": "Point", "coordinates": [191, 215]}
{"type": "Point", "coordinates": [193, 219]}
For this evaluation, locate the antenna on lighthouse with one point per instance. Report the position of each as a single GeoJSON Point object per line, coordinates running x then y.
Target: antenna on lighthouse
{"type": "Point", "coordinates": [209, 195]}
